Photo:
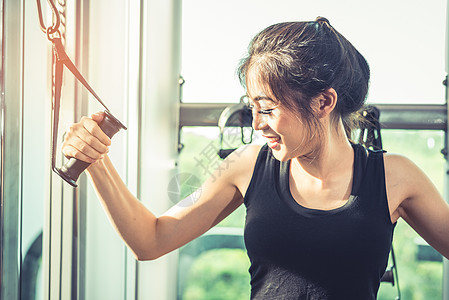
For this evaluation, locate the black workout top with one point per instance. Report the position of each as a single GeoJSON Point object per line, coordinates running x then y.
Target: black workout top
{"type": "Point", "coordinates": [302, 253]}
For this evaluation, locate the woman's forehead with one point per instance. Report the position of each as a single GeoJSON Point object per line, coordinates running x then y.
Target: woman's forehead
{"type": "Point", "coordinates": [257, 89]}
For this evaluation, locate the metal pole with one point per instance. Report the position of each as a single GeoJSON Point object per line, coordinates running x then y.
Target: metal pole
{"type": "Point", "coordinates": [11, 146]}
{"type": "Point", "coordinates": [446, 183]}
{"type": "Point", "coordinates": [161, 68]}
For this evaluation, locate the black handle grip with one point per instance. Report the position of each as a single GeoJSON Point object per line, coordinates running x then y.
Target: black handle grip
{"type": "Point", "coordinates": [74, 167]}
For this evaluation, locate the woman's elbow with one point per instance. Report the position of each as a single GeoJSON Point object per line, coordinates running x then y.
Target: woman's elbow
{"type": "Point", "coordinates": [146, 256]}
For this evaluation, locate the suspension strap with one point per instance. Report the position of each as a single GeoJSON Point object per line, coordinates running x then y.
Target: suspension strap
{"type": "Point", "coordinates": [60, 58]}
{"type": "Point", "coordinates": [57, 86]}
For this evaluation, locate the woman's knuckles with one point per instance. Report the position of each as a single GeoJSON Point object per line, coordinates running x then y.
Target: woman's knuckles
{"type": "Point", "coordinates": [83, 147]}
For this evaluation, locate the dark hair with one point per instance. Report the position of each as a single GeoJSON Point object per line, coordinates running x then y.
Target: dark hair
{"type": "Point", "coordinates": [299, 60]}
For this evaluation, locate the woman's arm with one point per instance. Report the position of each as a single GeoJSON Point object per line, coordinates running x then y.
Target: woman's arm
{"type": "Point", "coordinates": [417, 201]}
{"type": "Point", "coordinates": [146, 235]}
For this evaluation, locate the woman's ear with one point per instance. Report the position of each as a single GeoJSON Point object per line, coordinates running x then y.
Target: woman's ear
{"type": "Point", "coordinates": [326, 102]}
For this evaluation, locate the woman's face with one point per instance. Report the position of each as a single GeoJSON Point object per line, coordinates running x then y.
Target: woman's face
{"type": "Point", "coordinates": [282, 128]}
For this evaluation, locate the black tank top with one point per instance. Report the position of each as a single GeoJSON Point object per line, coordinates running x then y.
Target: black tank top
{"type": "Point", "coordinates": [302, 253]}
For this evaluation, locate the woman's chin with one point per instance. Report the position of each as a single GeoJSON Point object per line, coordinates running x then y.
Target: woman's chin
{"type": "Point", "coordinates": [280, 155]}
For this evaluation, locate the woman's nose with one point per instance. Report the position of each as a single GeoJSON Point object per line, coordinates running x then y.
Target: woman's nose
{"type": "Point", "coordinates": [258, 122]}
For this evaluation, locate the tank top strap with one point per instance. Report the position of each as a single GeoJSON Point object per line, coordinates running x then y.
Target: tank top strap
{"type": "Point", "coordinates": [363, 159]}
{"type": "Point", "coordinates": [373, 185]}
{"type": "Point", "coordinates": [265, 169]}
{"type": "Point", "coordinates": [360, 162]}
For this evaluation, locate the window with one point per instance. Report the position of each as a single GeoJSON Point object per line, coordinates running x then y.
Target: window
{"type": "Point", "coordinates": [403, 41]}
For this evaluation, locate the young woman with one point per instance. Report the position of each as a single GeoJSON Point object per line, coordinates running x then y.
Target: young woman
{"type": "Point", "coordinates": [320, 210]}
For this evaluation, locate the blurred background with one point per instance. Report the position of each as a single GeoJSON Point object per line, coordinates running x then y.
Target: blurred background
{"type": "Point", "coordinates": [167, 69]}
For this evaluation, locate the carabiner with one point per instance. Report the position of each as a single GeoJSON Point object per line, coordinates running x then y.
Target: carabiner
{"type": "Point", "coordinates": [52, 36]}
{"type": "Point", "coordinates": [57, 19]}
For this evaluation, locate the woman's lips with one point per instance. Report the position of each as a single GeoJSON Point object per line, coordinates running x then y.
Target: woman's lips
{"type": "Point", "coordinates": [272, 141]}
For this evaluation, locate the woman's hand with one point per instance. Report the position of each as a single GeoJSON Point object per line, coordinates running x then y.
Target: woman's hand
{"type": "Point", "coordinates": [85, 140]}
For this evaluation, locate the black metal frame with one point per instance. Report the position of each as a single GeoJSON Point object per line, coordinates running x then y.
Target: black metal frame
{"type": "Point", "coordinates": [392, 116]}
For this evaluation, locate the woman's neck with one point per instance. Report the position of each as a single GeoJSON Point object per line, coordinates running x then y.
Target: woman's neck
{"type": "Point", "coordinates": [335, 155]}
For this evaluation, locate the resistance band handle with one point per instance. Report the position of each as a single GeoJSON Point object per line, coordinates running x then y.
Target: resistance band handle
{"type": "Point", "coordinates": [74, 167]}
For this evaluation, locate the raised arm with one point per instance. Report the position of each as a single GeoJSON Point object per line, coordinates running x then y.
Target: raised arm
{"type": "Point", "coordinates": [147, 235]}
{"type": "Point", "coordinates": [413, 197]}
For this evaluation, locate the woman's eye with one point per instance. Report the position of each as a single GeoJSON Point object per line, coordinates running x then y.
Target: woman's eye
{"type": "Point", "coordinates": [260, 111]}
{"type": "Point", "coordinates": [265, 111]}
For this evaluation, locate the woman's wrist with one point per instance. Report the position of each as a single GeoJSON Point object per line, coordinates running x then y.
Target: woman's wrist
{"type": "Point", "coordinates": [97, 167]}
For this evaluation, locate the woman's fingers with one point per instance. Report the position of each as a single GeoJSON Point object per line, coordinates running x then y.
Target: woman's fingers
{"type": "Point", "coordinates": [94, 129]}
{"type": "Point", "coordinates": [98, 117]}
{"type": "Point", "coordinates": [85, 140]}
{"type": "Point", "coordinates": [71, 151]}
{"type": "Point", "coordinates": [75, 146]}
{"type": "Point", "coordinates": [91, 125]}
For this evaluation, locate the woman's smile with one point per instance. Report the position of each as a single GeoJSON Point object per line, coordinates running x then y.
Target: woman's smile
{"type": "Point", "coordinates": [272, 141]}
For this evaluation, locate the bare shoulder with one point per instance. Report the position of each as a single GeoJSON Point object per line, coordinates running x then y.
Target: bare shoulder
{"type": "Point", "coordinates": [246, 152]}
{"type": "Point", "coordinates": [400, 167]}
{"type": "Point", "coordinates": [243, 159]}
{"type": "Point", "coordinates": [397, 163]}
{"type": "Point", "coordinates": [401, 172]}
{"type": "Point", "coordinates": [241, 165]}
{"type": "Point", "coordinates": [404, 180]}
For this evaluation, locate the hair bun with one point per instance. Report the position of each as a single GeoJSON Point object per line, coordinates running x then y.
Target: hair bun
{"type": "Point", "coordinates": [322, 20]}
